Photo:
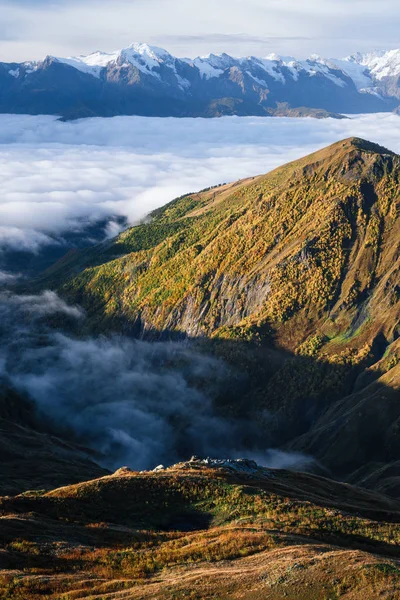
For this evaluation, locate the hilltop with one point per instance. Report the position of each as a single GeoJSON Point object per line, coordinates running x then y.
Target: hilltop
{"type": "Point", "coordinates": [292, 277]}
{"type": "Point", "coordinates": [202, 529]}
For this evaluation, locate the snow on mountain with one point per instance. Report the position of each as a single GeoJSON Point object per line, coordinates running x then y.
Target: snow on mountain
{"type": "Point", "coordinates": [92, 64]}
{"type": "Point", "coordinates": [379, 64]}
{"type": "Point", "coordinates": [148, 80]}
{"type": "Point", "coordinates": [207, 70]}
{"type": "Point", "coordinates": [270, 66]}
{"type": "Point", "coordinates": [23, 69]}
{"type": "Point", "coordinates": [367, 70]}
{"type": "Point", "coordinates": [278, 67]}
{"type": "Point", "coordinates": [212, 65]}
{"type": "Point", "coordinates": [273, 65]}
{"type": "Point", "coordinates": [147, 59]}
{"type": "Point", "coordinates": [313, 66]}
{"type": "Point", "coordinates": [356, 71]}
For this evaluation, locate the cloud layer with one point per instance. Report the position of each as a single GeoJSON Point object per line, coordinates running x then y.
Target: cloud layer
{"type": "Point", "coordinates": [57, 177]}
{"type": "Point", "coordinates": [137, 403]}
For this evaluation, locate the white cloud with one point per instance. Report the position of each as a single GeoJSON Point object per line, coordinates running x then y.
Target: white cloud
{"type": "Point", "coordinates": [33, 28]}
{"type": "Point", "coordinates": [6, 277]}
{"type": "Point", "coordinates": [54, 174]}
{"type": "Point", "coordinates": [26, 240]}
{"type": "Point", "coordinates": [47, 303]}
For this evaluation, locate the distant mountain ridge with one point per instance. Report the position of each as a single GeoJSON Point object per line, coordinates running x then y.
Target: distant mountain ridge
{"type": "Point", "coordinates": [147, 80]}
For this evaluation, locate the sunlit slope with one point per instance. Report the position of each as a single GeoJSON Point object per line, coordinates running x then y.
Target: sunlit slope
{"type": "Point", "coordinates": [201, 531]}
{"type": "Point", "coordinates": [315, 243]}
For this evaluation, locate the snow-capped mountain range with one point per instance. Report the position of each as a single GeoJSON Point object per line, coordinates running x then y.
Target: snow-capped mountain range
{"type": "Point", "coordinates": [147, 80]}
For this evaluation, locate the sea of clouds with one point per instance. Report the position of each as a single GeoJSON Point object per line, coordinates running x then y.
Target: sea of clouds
{"type": "Point", "coordinates": [58, 177]}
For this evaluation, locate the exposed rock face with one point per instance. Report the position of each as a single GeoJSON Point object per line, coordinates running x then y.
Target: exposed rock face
{"type": "Point", "coordinates": [242, 466]}
{"type": "Point", "coordinates": [123, 471]}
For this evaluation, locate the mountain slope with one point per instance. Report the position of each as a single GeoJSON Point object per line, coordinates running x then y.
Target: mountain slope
{"type": "Point", "coordinates": [202, 529]}
{"type": "Point", "coordinates": [149, 81]}
{"type": "Point", "coordinates": [292, 276]}
{"type": "Point", "coordinates": [32, 457]}
{"type": "Point", "coordinates": [314, 239]}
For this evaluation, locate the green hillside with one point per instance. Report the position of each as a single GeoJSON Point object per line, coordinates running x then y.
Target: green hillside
{"type": "Point", "coordinates": [294, 277]}
{"type": "Point", "coordinates": [308, 241]}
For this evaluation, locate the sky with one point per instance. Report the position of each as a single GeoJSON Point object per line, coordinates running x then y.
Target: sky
{"type": "Point", "coordinates": [128, 166]}
{"type": "Point", "coordinates": [32, 29]}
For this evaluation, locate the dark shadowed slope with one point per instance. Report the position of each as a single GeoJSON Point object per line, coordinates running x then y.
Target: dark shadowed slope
{"type": "Point", "coordinates": [31, 457]}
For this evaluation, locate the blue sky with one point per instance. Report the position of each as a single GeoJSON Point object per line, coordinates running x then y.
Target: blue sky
{"type": "Point", "coordinates": [34, 28]}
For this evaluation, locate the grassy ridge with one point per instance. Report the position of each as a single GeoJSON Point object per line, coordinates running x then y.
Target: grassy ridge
{"type": "Point", "coordinates": [134, 531]}
{"type": "Point", "coordinates": [308, 239]}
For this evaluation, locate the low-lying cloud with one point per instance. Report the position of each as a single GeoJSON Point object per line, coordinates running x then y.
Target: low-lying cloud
{"type": "Point", "coordinates": [137, 403]}
{"type": "Point", "coordinates": [59, 177]}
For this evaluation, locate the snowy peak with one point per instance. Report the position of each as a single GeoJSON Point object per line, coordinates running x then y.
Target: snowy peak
{"type": "Point", "coordinates": [92, 64]}
{"type": "Point", "coordinates": [283, 67]}
{"type": "Point", "coordinates": [146, 57]}
{"type": "Point", "coordinates": [150, 59]}
{"type": "Point", "coordinates": [364, 70]}
{"type": "Point", "coordinates": [153, 52]}
{"type": "Point", "coordinates": [379, 64]}
{"type": "Point", "coordinates": [148, 80]}
{"type": "Point", "coordinates": [142, 56]}
{"type": "Point", "coordinates": [368, 71]}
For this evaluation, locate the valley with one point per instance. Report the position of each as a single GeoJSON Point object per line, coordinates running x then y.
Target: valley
{"type": "Point", "coordinates": [264, 313]}
{"type": "Point", "coordinates": [293, 276]}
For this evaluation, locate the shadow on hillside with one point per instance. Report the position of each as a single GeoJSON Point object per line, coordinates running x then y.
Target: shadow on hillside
{"type": "Point", "coordinates": [342, 416]}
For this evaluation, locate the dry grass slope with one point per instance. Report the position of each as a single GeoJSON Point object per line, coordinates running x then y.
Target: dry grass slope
{"type": "Point", "coordinates": [201, 533]}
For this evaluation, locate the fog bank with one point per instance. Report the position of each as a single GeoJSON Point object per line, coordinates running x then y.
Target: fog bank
{"type": "Point", "coordinates": [61, 177]}
{"type": "Point", "coordinates": [137, 403]}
